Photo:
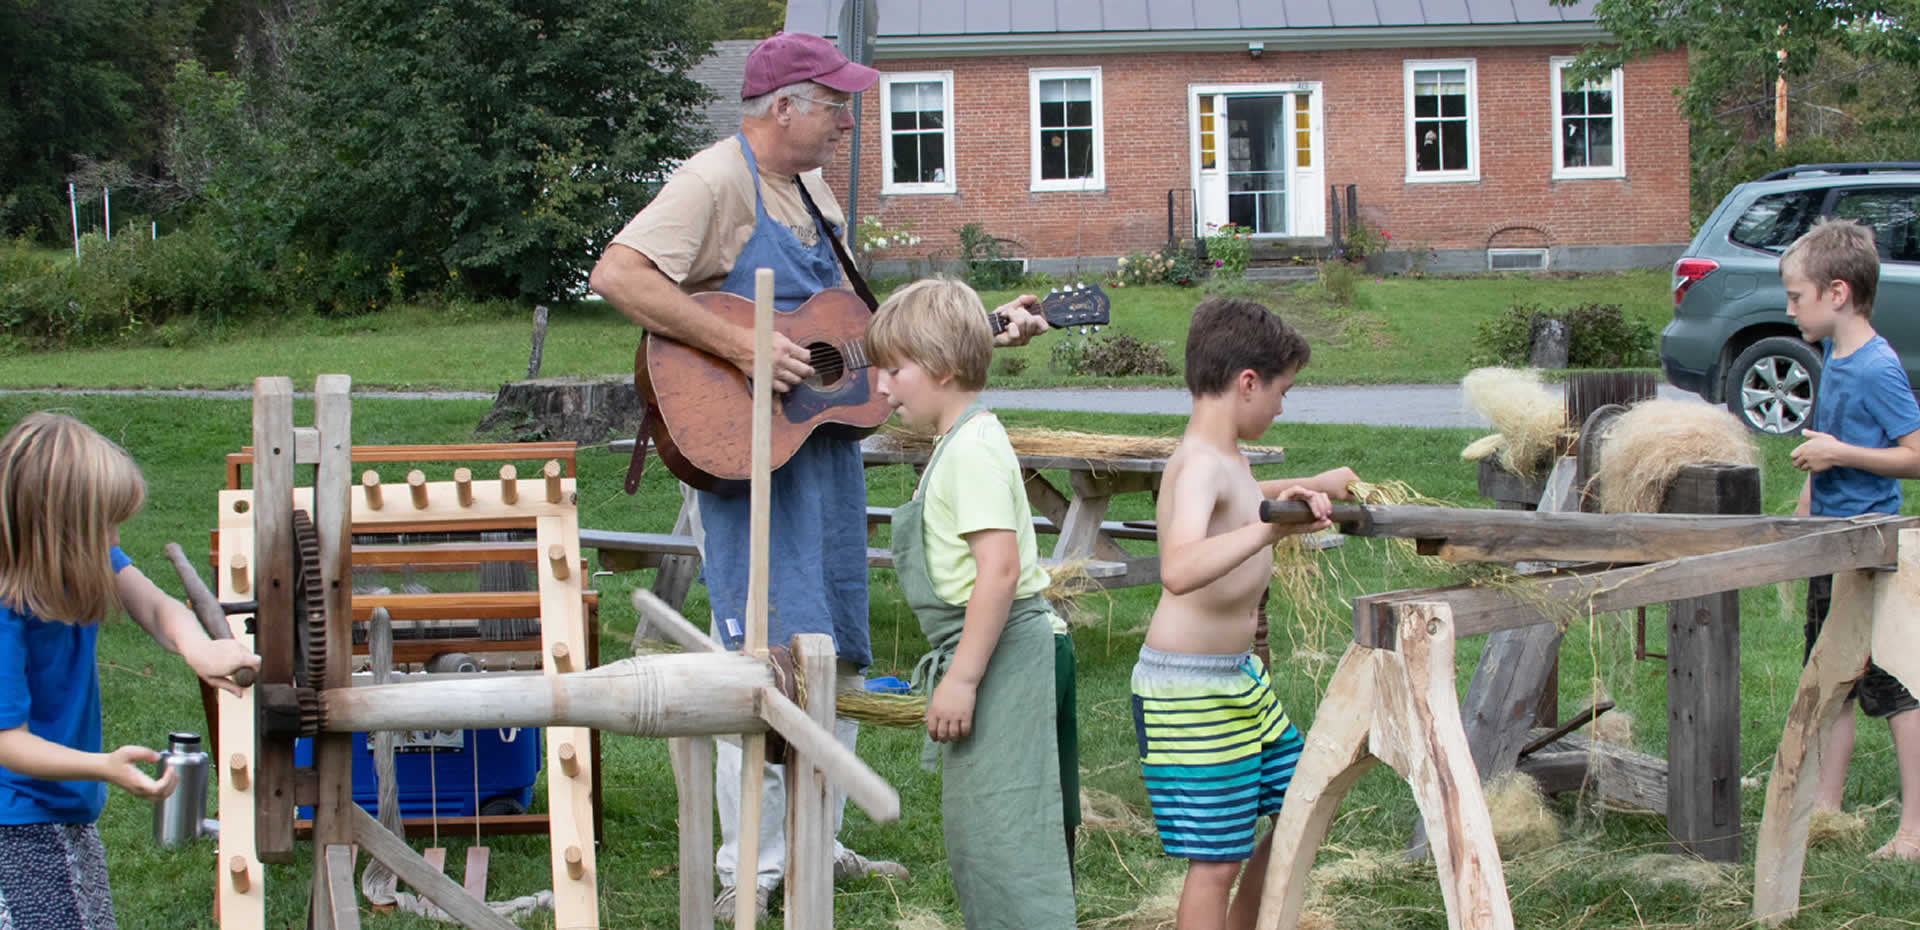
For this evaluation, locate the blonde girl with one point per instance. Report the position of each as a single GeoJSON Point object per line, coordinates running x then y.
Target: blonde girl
{"type": "Point", "coordinates": [64, 491]}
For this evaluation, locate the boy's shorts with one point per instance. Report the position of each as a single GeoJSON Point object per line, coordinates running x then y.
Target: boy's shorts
{"type": "Point", "coordinates": [1879, 693]}
{"type": "Point", "coordinates": [1216, 749]}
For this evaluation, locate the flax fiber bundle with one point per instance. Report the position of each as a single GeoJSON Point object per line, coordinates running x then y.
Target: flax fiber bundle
{"type": "Point", "coordinates": [1529, 416]}
{"type": "Point", "coordinates": [1644, 448]}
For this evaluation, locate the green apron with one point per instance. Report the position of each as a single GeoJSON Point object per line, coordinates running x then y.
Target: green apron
{"type": "Point", "coordinates": [1000, 802]}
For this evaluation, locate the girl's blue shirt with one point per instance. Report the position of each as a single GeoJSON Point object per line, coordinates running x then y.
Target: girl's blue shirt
{"type": "Point", "coordinates": [50, 683]}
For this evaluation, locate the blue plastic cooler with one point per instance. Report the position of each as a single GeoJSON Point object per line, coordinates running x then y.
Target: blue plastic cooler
{"type": "Point", "coordinates": [437, 772]}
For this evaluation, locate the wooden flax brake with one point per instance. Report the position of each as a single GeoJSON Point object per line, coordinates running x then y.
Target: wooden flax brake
{"type": "Point", "coordinates": [1392, 697]}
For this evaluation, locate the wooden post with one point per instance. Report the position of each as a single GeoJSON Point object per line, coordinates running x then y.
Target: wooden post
{"type": "Point", "coordinates": [273, 558]}
{"type": "Point", "coordinates": [1703, 682]}
{"type": "Point", "coordinates": [809, 801]}
{"type": "Point", "coordinates": [692, 758]}
{"type": "Point", "coordinates": [754, 745]}
{"type": "Point", "coordinates": [333, 753]}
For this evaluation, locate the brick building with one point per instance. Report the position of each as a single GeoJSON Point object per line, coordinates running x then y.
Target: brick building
{"type": "Point", "coordinates": [1090, 129]}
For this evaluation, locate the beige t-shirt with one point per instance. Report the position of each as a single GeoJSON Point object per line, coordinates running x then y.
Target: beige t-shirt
{"type": "Point", "coordinates": [698, 223]}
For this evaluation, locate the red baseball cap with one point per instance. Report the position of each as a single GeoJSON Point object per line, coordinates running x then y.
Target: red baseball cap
{"type": "Point", "coordinates": [791, 57]}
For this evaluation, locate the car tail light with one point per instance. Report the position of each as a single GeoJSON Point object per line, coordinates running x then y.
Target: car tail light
{"type": "Point", "coordinates": [1686, 272]}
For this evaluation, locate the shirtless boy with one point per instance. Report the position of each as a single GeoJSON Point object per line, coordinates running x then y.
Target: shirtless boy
{"type": "Point", "coordinates": [1216, 747]}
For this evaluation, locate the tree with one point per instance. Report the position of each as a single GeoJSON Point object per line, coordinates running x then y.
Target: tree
{"type": "Point", "coordinates": [495, 145]}
{"type": "Point", "coordinates": [1736, 45]}
{"type": "Point", "coordinates": [78, 78]}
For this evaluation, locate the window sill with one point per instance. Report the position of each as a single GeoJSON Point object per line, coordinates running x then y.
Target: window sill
{"type": "Point", "coordinates": [887, 190]}
{"type": "Point", "coordinates": [1610, 174]}
{"type": "Point", "coordinates": [1449, 177]}
{"type": "Point", "coordinates": [1057, 187]}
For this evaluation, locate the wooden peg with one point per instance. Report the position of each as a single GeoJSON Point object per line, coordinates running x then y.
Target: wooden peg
{"type": "Point", "coordinates": [237, 765]}
{"type": "Point", "coordinates": [576, 863]}
{"type": "Point", "coordinates": [551, 471]}
{"type": "Point", "coordinates": [569, 760]}
{"type": "Point", "coordinates": [370, 483]}
{"type": "Point", "coordinates": [557, 554]}
{"type": "Point", "coordinates": [237, 870]}
{"type": "Point", "coordinates": [562, 658]}
{"type": "Point", "coordinates": [463, 486]}
{"type": "Point", "coordinates": [238, 565]}
{"type": "Point", "coordinates": [417, 486]}
{"type": "Point", "coordinates": [509, 491]}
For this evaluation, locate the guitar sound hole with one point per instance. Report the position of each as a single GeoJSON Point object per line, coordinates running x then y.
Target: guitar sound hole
{"type": "Point", "coordinates": [828, 366]}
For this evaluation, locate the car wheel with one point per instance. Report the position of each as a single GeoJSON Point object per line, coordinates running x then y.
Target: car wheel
{"type": "Point", "coordinates": [1770, 386]}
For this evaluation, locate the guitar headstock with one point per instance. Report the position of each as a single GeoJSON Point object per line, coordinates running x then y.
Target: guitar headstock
{"type": "Point", "coordinates": [1079, 305]}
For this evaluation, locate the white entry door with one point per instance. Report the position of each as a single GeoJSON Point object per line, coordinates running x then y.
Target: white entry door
{"type": "Point", "coordinates": [1257, 158]}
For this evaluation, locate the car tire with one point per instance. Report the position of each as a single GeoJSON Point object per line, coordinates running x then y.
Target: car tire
{"type": "Point", "coordinates": [1771, 385]}
{"type": "Point", "coordinates": [502, 805]}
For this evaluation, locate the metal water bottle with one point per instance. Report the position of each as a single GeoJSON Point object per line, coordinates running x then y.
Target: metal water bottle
{"type": "Point", "coordinates": [177, 817]}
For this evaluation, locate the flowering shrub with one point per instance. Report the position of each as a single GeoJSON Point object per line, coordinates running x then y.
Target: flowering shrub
{"type": "Point", "coordinates": [872, 234]}
{"type": "Point", "coordinates": [1162, 266]}
{"type": "Point", "coordinates": [1228, 249]}
{"type": "Point", "coordinates": [1363, 240]}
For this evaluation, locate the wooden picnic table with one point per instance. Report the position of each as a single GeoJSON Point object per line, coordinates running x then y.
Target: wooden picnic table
{"type": "Point", "coordinates": [1078, 512]}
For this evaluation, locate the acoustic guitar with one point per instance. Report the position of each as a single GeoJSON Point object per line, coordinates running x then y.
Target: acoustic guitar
{"type": "Point", "coordinates": [701, 419]}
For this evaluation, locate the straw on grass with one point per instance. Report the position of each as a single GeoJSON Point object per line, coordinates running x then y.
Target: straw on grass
{"type": "Point", "coordinates": [1522, 824]}
{"type": "Point", "coordinates": [1066, 444]}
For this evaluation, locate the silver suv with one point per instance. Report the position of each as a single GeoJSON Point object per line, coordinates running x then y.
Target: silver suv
{"type": "Point", "coordinates": [1731, 340]}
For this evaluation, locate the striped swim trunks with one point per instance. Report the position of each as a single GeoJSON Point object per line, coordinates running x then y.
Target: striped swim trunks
{"type": "Point", "coordinates": [1216, 749]}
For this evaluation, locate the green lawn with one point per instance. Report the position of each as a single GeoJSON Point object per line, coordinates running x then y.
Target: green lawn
{"type": "Point", "coordinates": [1400, 330]}
{"type": "Point", "coordinates": [1580, 882]}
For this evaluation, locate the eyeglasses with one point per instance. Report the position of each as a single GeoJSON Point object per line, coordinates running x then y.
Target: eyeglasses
{"type": "Point", "coordinates": [834, 109]}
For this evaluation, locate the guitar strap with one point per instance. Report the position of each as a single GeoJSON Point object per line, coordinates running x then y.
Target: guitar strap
{"type": "Point", "coordinates": [839, 249]}
{"type": "Point", "coordinates": [639, 461]}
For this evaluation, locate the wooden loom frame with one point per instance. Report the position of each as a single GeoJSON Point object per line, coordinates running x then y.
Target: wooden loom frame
{"type": "Point", "coordinates": [1392, 698]}
{"type": "Point", "coordinates": [650, 696]}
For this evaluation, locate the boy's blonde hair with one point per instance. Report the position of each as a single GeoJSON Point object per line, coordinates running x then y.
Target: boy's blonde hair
{"type": "Point", "coordinates": [1837, 250]}
{"type": "Point", "coordinates": [939, 324]}
{"type": "Point", "coordinates": [64, 488]}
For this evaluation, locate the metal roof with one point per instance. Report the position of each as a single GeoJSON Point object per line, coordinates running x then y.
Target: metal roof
{"type": "Point", "coordinates": [724, 72]}
{"type": "Point", "coordinates": [910, 27]}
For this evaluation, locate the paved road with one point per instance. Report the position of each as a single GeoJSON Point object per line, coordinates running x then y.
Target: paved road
{"type": "Point", "coordinates": [1366, 405]}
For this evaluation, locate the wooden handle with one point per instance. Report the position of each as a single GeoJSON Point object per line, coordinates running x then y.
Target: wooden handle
{"type": "Point", "coordinates": [205, 606]}
{"type": "Point", "coordinates": [1297, 512]}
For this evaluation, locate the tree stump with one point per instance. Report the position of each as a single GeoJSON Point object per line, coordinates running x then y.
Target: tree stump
{"type": "Point", "coordinates": [577, 409]}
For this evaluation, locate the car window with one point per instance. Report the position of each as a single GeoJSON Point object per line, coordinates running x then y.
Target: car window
{"type": "Point", "coordinates": [1891, 213]}
{"type": "Point", "coordinates": [1775, 220]}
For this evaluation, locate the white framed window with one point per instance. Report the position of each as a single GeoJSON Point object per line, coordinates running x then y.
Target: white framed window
{"type": "Point", "coordinates": [1586, 126]}
{"type": "Point", "coordinates": [917, 111]}
{"type": "Point", "coordinates": [1443, 121]}
{"type": "Point", "coordinates": [1067, 138]}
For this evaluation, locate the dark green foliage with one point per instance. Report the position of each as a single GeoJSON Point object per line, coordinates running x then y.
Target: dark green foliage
{"type": "Point", "coordinates": [127, 290]}
{"type": "Point", "coordinates": [1010, 365]}
{"type": "Point", "coordinates": [1109, 356]}
{"type": "Point", "coordinates": [1340, 280]}
{"type": "Point", "coordinates": [78, 78]}
{"type": "Point", "coordinates": [1599, 336]}
{"type": "Point", "coordinates": [986, 260]}
{"type": "Point", "coordinates": [492, 147]}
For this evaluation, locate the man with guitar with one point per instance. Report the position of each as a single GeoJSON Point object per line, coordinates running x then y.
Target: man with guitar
{"type": "Point", "coordinates": [757, 200]}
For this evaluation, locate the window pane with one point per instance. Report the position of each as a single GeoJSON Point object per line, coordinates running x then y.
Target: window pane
{"type": "Point", "coordinates": [1080, 153]}
{"type": "Point", "coordinates": [1453, 146]}
{"type": "Point", "coordinates": [1890, 214]}
{"type": "Point", "coordinates": [1053, 115]}
{"type": "Point", "coordinates": [1053, 155]}
{"type": "Point", "coordinates": [1080, 113]}
{"type": "Point", "coordinates": [906, 163]}
{"type": "Point", "coordinates": [1600, 143]}
{"type": "Point", "coordinates": [1600, 101]}
{"type": "Point", "coordinates": [1426, 142]}
{"type": "Point", "coordinates": [1573, 103]}
{"type": "Point", "coordinates": [1426, 107]}
{"type": "Point", "coordinates": [933, 158]}
{"type": "Point", "coordinates": [1454, 104]}
{"type": "Point", "coordinates": [1774, 221]}
{"type": "Point", "coordinates": [1573, 149]}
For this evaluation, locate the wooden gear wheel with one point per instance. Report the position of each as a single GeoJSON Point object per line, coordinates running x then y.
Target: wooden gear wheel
{"type": "Point", "coordinates": [309, 599]}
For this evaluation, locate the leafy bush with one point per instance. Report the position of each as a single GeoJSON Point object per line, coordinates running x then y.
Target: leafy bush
{"type": "Point", "coordinates": [118, 290]}
{"type": "Point", "coordinates": [1010, 365]}
{"type": "Point", "coordinates": [1363, 240]}
{"type": "Point", "coordinates": [985, 259]}
{"type": "Point", "coordinates": [1339, 280]}
{"type": "Point", "coordinates": [1229, 248]}
{"type": "Point", "coordinates": [1142, 268]}
{"type": "Point", "coordinates": [1598, 336]}
{"type": "Point", "coordinates": [1111, 356]}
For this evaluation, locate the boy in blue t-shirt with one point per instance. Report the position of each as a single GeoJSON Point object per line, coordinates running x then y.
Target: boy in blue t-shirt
{"type": "Point", "coordinates": [1868, 439]}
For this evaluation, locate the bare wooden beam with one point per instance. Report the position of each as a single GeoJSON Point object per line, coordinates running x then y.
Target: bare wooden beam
{"type": "Point", "coordinates": [432, 884]}
{"type": "Point", "coordinates": [1853, 545]}
{"type": "Point", "coordinates": [1462, 533]}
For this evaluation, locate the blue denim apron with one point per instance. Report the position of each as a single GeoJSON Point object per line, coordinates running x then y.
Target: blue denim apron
{"type": "Point", "coordinates": [818, 521]}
